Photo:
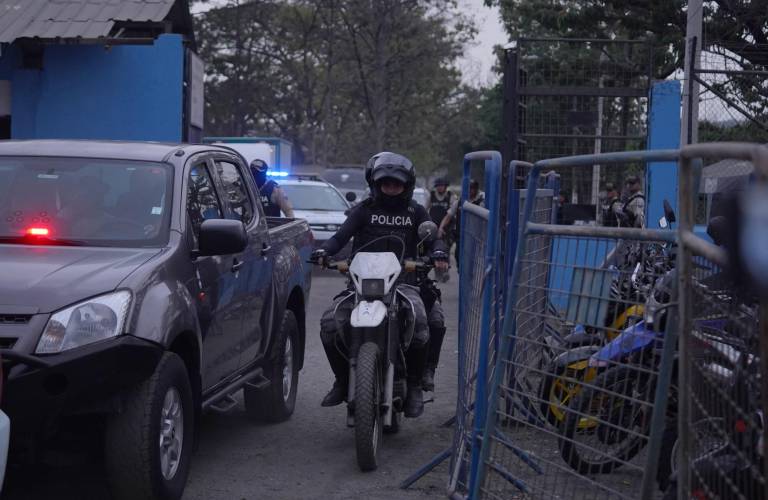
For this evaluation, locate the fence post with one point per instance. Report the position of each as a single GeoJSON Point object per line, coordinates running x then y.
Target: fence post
{"type": "Point", "coordinates": [493, 190]}
{"type": "Point", "coordinates": [492, 399]}
{"type": "Point", "coordinates": [661, 178]}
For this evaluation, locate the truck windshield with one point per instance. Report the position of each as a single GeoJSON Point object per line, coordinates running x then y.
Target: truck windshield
{"type": "Point", "coordinates": [314, 198]}
{"type": "Point", "coordinates": [84, 201]}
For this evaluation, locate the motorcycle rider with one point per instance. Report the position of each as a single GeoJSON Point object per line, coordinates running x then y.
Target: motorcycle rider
{"type": "Point", "coordinates": [390, 210]}
{"type": "Point", "coordinates": [273, 199]}
{"type": "Point", "coordinates": [440, 200]}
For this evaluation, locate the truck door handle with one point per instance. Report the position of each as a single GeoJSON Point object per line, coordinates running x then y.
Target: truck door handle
{"type": "Point", "coordinates": [236, 265]}
{"type": "Point", "coordinates": [265, 249]}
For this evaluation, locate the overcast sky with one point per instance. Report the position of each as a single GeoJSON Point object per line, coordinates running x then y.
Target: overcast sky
{"type": "Point", "coordinates": [478, 60]}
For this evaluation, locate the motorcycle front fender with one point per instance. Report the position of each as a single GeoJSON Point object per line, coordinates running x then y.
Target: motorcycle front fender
{"type": "Point", "coordinates": [368, 314]}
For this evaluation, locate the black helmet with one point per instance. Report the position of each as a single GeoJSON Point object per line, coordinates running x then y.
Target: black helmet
{"type": "Point", "coordinates": [386, 165]}
{"type": "Point", "coordinates": [441, 181]}
{"type": "Point", "coordinates": [259, 165]}
{"type": "Point", "coordinates": [369, 168]}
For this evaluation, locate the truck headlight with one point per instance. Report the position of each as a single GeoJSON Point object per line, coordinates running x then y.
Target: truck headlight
{"type": "Point", "coordinates": [89, 321]}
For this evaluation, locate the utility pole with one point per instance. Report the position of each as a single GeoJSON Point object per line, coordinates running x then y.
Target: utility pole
{"type": "Point", "coordinates": [693, 42]}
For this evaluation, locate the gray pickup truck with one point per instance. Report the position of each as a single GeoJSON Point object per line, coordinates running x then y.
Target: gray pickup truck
{"type": "Point", "coordinates": [142, 282]}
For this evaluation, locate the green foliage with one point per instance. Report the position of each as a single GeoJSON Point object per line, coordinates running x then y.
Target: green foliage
{"type": "Point", "coordinates": [340, 79]}
{"type": "Point", "coordinates": [742, 27]}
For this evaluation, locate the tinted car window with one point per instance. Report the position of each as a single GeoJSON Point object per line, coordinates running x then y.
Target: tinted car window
{"type": "Point", "coordinates": [84, 201]}
{"type": "Point", "coordinates": [235, 191]}
{"type": "Point", "coordinates": [202, 202]}
{"type": "Point", "coordinates": [308, 197]}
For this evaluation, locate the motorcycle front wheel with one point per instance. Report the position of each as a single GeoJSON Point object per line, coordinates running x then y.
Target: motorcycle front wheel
{"type": "Point", "coordinates": [368, 419]}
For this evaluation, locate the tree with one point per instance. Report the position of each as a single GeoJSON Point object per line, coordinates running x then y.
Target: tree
{"type": "Point", "coordinates": [340, 79]}
{"type": "Point", "coordinates": [735, 30]}
{"type": "Point", "coordinates": [741, 27]}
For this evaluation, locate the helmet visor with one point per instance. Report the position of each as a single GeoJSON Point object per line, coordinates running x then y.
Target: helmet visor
{"type": "Point", "coordinates": [396, 172]}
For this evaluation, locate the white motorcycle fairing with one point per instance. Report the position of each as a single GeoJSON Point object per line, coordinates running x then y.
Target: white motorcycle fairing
{"type": "Point", "coordinates": [374, 265]}
{"type": "Point", "coordinates": [368, 314]}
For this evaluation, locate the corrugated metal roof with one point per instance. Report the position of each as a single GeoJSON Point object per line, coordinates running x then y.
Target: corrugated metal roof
{"type": "Point", "coordinates": [74, 18]}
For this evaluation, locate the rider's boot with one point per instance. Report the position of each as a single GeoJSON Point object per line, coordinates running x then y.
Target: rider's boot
{"type": "Point", "coordinates": [416, 359]}
{"type": "Point", "coordinates": [340, 367]}
{"type": "Point", "coordinates": [436, 336]}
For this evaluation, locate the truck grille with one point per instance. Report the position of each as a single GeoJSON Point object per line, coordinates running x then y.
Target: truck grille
{"type": "Point", "coordinates": [14, 319]}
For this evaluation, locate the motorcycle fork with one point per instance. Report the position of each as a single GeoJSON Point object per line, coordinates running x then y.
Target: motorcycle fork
{"type": "Point", "coordinates": [389, 381]}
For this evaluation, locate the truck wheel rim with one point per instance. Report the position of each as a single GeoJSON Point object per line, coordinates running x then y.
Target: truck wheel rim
{"type": "Point", "coordinates": [171, 433]}
{"type": "Point", "coordinates": [287, 369]}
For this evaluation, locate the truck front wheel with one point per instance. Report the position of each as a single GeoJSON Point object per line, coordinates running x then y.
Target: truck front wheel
{"type": "Point", "coordinates": [149, 444]}
{"type": "Point", "coordinates": [275, 403]}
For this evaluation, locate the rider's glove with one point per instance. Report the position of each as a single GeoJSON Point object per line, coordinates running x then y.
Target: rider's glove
{"type": "Point", "coordinates": [319, 256]}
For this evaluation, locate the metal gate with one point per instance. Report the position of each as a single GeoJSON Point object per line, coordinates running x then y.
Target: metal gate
{"type": "Point", "coordinates": [568, 96]}
{"type": "Point", "coordinates": [719, 443]}
{"type": "Point", "coordinates": [572, 411]}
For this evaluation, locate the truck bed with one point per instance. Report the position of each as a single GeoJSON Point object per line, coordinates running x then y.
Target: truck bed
{"type": "Point", "coordinates": [281, 228]}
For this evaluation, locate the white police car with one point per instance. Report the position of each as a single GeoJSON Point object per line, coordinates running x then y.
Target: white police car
{"type": "Point", "coordinates": [317, 201]}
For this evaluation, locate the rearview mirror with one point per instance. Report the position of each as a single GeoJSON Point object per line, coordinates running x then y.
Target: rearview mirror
{"type": "Point", "coordinates": [222, 237]}
{"type": "Point", "coordinates": [427, 231]}
{"type": "Point", "coordinates": [351, 196]}
{"type": "Point", "coordinates": [669, 213]}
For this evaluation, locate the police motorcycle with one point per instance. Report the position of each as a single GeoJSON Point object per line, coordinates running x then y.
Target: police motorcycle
{"type": "Point", "coordinates": [380, 330]}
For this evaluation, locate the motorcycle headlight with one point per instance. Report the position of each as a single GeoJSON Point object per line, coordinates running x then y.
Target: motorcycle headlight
{"type": "Point", "coordinates": [372, 288]}
{"type": "Point", "coordinates": [89, 321]}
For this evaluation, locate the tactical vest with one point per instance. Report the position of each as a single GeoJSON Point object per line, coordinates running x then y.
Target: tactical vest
{"type": "Point", "coordinates": [380, 222]}
{"type": "Point", "coordinates": [265, 192]}
{"type": "Point", "coordinates": [438, 208]}
{"type": "Point", "coordinates": [609, 214]}
{"type": "Point", "coordinates": [630, 214]}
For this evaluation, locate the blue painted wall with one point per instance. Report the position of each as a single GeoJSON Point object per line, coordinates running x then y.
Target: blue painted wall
{"type": "Point", "coordinates": [129, 92]}
{"type": "Point", "coordinates": [663, 133]}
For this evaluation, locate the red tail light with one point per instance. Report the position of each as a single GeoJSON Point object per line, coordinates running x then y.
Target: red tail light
{"type": "Point", "coordinates": [38, 231]}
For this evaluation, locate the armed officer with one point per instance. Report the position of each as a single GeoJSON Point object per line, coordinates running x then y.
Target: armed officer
{"type": "Point", "coordinates": [273, 199]}
{"type": "Point", "coordinates": [438, 204]}
{"type": "Point", "coordinates": [390, 210]}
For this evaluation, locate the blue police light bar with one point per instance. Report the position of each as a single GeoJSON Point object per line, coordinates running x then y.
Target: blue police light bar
{"type": "Point", "coordinates": [277, 173]}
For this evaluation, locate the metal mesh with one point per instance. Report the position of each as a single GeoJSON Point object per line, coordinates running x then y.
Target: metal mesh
{"type": "Point", "coordinates": [581, 97]}
{"type": "Point", "coordinates": [732, 95]}
{"type": "Point", "coordinates": [577, 431]}
{"type": "Point", "coordinates": [473, 241]}
{"type": "Point", "coordinates": [721, 390]}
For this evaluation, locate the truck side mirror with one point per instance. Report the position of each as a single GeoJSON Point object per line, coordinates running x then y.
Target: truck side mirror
{"type": "Point", "coordinates": [222, 237]}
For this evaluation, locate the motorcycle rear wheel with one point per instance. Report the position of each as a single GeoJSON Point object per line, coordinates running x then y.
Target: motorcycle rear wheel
{"type": "Point", "coordinates": [368, 418]}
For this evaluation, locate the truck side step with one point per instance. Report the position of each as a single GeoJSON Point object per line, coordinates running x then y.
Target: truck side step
{"type": "Point", "coordinates": [222, 401]}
